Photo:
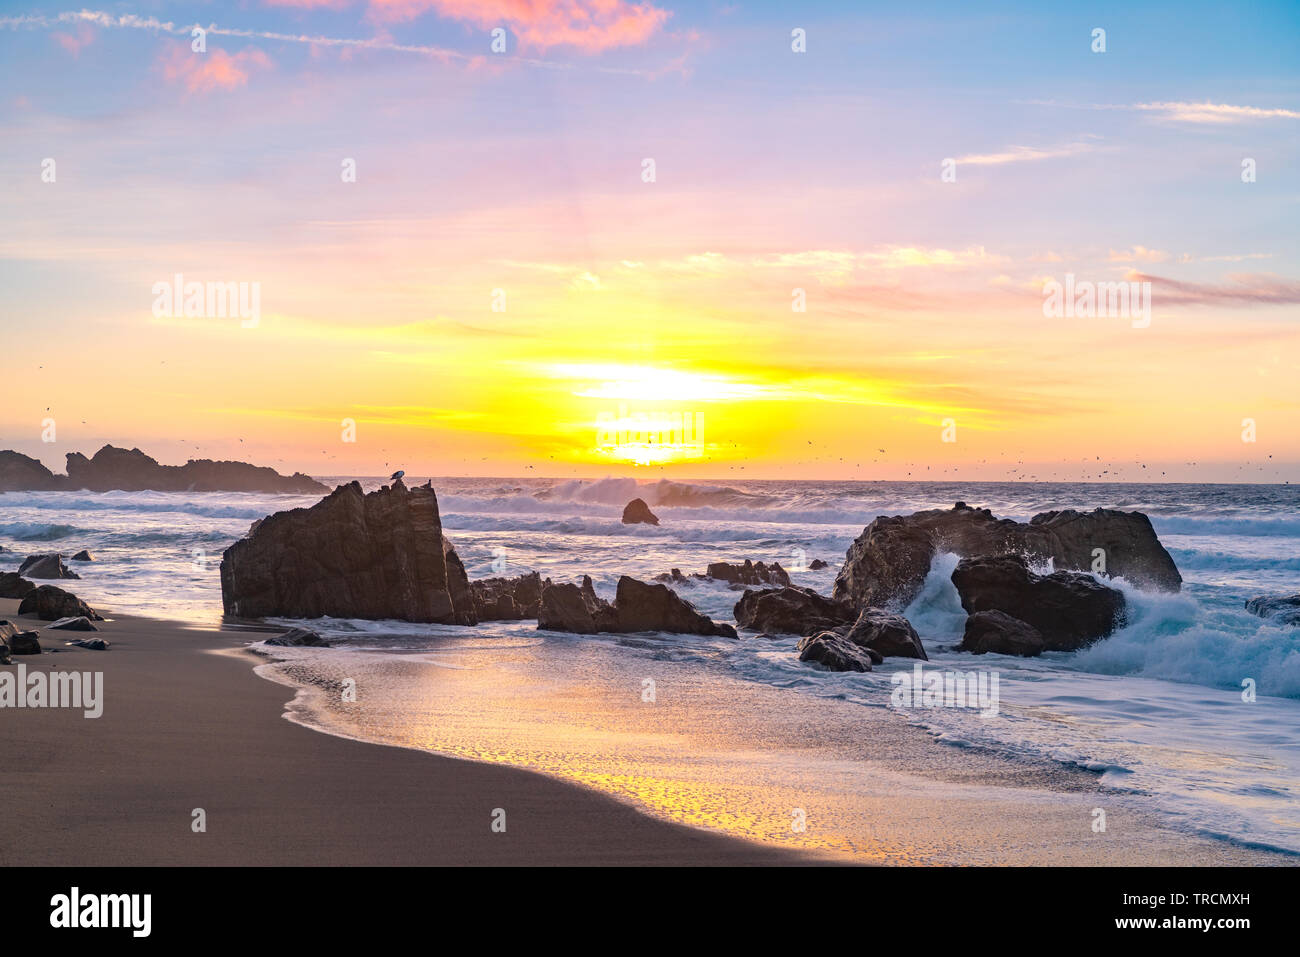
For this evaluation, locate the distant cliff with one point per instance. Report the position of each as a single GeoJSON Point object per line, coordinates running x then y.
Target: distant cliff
{"type": "Point", "coordinates": [130, 470]}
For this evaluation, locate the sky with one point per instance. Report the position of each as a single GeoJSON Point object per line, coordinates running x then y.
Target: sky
{"type": "Point", "coordinates": [746, 240]}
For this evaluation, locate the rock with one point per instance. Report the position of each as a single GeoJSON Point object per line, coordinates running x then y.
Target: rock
{"type": "Point", "coordinates": [50, 603]}
{"type": "Point", "coordinates": [638, 606]}
{"type": "Point", "coordinates": [998, 632]}
{"type": "Point", "coordinates": [675, 577]}
{"type": "Point", "coordinates": [22, 473]}
{"type": "Point", "coordinates": [13, 585]}
{"type": "Point", "coordinates": [817, 565]}
{"type": "Point", "coordinates": [73, 624]}
{"type": "Point", "coordinates": [836, 652]}
{"type": "Point", "coordinates": [7, 631]}
{"type": "Point", "coordinates": [1285, 611]}
{"type": "Point", "coordinates": [508, 599]}
{"type": "Point", "coordinates": [792, 611]}
{"type": "Point", "coordinates": [889, 635]}
{"type": "Point", "coordinates": [83, 556]}
{"type": "Point", "coordinates": [749, 573]}
{"type": "Point", "coordinates": [130, 470]}
{"type": "Point", "coordinates": [298, 638]}
{"type": "Point", "coordinates": [638, 512]}
{"type": "Point", "coordinates": [888, 562]}
{"type": "Point", "coordinates": [351, 555]}
{"type": "Point", "coordinates": [1069, 609]}
{"type": "Point", "coordinates": [91, 644]}
{"type": "Point", "coordinates": [24, 643]}
{"type": "Point", "coordinates": [45, 566]}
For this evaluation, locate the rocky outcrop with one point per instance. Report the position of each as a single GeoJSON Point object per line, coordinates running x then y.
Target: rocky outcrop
{"type": "Point", "coordinates": [749, 573]}
{"type": "Point", "coordinates": [130, 470]}
{"type": "Point", "coordinates": [836, 653]}
{"type": "Point", "coordinates": [817, 565]}
{"type": "Point", "coordinates": [889, 635]}
{"type": "Point", "coordinates": [638, 512]}
{"type": "Point", "coordinates": [13, 585]}
{"type": "Point", "coordinates": [792, 611]}
{"type": "Point", "coordinates": [1282, 611]}
{"type": "Point", "coordinates": [351, 555]}
{"type": "Point", "coordinates": [22, 473]}
{"type": "Point", "coordinates": [298, 638]}
{"type": "Point", "coordinates": [888, 562]}
{"type": "Point", "coordinates": [79, 623]}
{"type": "Point", "coordinates": [50, 603]}
{"type": "Point", "coordinates": [637, 607]}
{"type": "Point", "coordinates": [508, 599]}
{"type": "Point", "coordinates": [83, 556]}
{"type": "Point", "coordinates": [999, 633]}
{"type": "Point", "coordinates": [46, 566]}
{"type": "Point", "coordinates": [1069, 609]}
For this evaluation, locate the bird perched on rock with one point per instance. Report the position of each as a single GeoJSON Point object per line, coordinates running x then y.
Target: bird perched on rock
{"type": "Point", "coordinates": [397, 475]}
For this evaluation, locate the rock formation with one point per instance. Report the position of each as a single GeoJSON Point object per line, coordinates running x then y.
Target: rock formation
{"type": "Point", "coordinates": [638, 512]}
{"type": "Point", "coordinates": [889, 635]}
{"type": "Point", "coordinates": [998, 632]}
{"type": "Point", "coordinates": [50, 603]}
{"type": "Point", "coordinates": [508, 599]}
{"type": "Point", "coordinates": [638, 606]}
{"type": "Point", "coordinates": [1282, 611]}
{"type": "Point", "coordinates": [46, 566]}
{"type": "Point", "coordinates": [792, 611]}
{"type": "Point", "coordinates": [836, 653]}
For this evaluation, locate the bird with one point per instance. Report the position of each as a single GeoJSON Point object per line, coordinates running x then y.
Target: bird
{"type": "Point", "coordinates": [398, 474]}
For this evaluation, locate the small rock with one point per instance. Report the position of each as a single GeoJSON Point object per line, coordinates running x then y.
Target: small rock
{"type": "Point", "coordinates": [73, 624]}
{"type": "Point", "coordinates": [24, 643]}
{"type": "Point", "coordinates": [638, 512]}
{"type": "Point", "coordinates": [83, 556]}
{"type": "Point", "coordinates": [998, 632]}
{"type": "Point", "coordinates": [91, 644]}
{"type": "Point", "coordinates": [45, 566]}
{"type": "Point", "coordinates": [887, 634]}
{"type": "Point", "coordinates": [836, 652]}
{"type": "Point", "coordinates": [298, 638]}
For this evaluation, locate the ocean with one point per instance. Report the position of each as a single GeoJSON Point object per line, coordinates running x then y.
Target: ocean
{"type": "Point", "coordinates": [1160, 711]}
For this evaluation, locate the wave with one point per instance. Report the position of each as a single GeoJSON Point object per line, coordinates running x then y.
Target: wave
{"type": "Point", "coordinates": [36, 531]}
{"type": "Point", "coordinates": [1191, 559]}
{"type": "Point", "coordinates": [620, 491]}
{"type": "Point", "coordinates": [1226, 525]}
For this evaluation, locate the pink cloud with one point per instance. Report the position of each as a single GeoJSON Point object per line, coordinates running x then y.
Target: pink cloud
{"type": "Point", "coordinates": [590, 25]}
{"type": "Point", "coordinates": [214, 70]}
{"type": "Point", "coordinates": [75, 43]}
{"type": "Point", "coordinates": [1242, 289]}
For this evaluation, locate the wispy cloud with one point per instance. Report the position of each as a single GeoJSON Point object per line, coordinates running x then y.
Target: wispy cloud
{"type": "Point", "coordinates": [214, 70]}
{"type": "Point", "coordinates": [1025, 154]}
{"type": "Point", "coordinates": [1182, 111]}
{"type": "Point", "coordinates": [1241, 288]}
{"type": "Point", "coordinates": [1139, 254]}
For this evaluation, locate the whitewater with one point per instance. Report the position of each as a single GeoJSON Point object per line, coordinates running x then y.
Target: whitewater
{"type": "Point", "coordinates": [1160, 709]}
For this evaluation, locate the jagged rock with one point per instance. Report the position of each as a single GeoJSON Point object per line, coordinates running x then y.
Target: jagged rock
{"type": "Point", "coordinates": [889, 635]}
{"type": "Point", "coordinates": [298, 638]}
{"type": "Point", "coordinates": [91, 644]}
{"type": "Point", "coordinates": [888, 562]}
{"type": "Point", "coordinates": [792, 611]}
{"type": "Point", "coordinates": [46, 566]}
{"type": "Point", "coordinates": [83, 556]}
{"type": "Point", "coordinates": [675, 577]}
{"type": "Point", "coordinates": [13, 585]}
{"type": "Point", "coordinates": [508, 599]}
{"type": "Point", "coordinates": [638, 512]}
{"type": "Point", "coordinates": [998, 632]}
{"type": "Point", "coordinates": [22, 473]}
{"type": "Point", "coordinates": [817, 564]}
{"type": "Point", "coordinates": [1284, 611]}
{"type": "Point", "coordinates": [836, 652]}
{"type": "Point", "coordinates": [637, 606]}
{"type": "Point", "coordinates": [130, 470]}
{"type": "Point", "coordinates": [749, 573]}
{"type": "Point", "coordinates": [1069, 609]}
{"type": "Point", "coordinates": [50, 603]}
{"type": "Point", "coordinates": [78, 623]}
{"type": "Point", "coordinates": [351, 555]}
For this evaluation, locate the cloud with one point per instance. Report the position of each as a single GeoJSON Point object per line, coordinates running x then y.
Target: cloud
{"type": "Point", "coordinates": [1213, 112]}
{"type": "Point", "coordinates": [75, 42]}
{"type": "Point", "coordinates": [214, 70]}
{"type": "Point", "coordinates": [1024, 154]}
{"type": "Point", "coordinates": [1242, 288]}
{"type": "Point", "coordinates": [1138, 254]}
{"type": "Point", "coordinates": [589, 25]}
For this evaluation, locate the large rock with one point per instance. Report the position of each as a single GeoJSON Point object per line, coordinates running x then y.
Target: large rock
{"type": "Point", "coordinates": [351, 555]}
{"type": "Point", "coordinates": [46, 566]}
{"type": "Point", "coordinates": [749, 573]}
{"type": "Point", "coordinates": [50, 603]}
{"type": "Point", "coordinates": [22, 473]}
{"type": "Point", "coordinates": [508, 599]}
{"type": "Point", "coordinates": [792, 611]}
{"type": "Point", "coordinates": [889, 635]}
{"type": "Point", "coordinates": [836, 653]}
{"type": "Point", "coordinates": [638, 512]}
{"type": "Point", "coordinates": [130, 470]}
{"type": "Point", "coordinates": [1283, 611]}
{"type": "Point", "coordinates": [998, 632]}
{"type": "Point", "coordinates": [637, 606]}
{"type": "Point", "coordinates": [1069, 609]}
{"type": "Point", "coordinates": [888, 562]}
{"type": "Point", "coordinates": [13, 585]}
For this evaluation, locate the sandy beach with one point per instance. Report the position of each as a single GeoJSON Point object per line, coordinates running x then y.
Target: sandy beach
{"type": "Point", "coordinates": [188, 724]}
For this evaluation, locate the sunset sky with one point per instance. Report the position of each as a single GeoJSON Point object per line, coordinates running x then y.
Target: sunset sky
{"type": "Point", "coordinates": [501, 275]}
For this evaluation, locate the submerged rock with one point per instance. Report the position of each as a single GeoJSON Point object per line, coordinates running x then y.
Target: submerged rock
{"type": "Point", "coordinates": [836, 653]}
{"type": "Point", "coordinates": [1284, 611]}
{"type": "Point", "coordinates": [888, 562]}
{"type": "Point", "coordinates": [298, 638]}
{"type": "Point", "coordinates": [999, 633]}
{"type": "Point", "coordinates": [50, 603]}
{"type": "Point", "coordinates": [638, 512]}
{"type": "Point", "coordinates": [46, 566]}
{"type": "Point", "coordinates": [749, 573]}
{"type": "Point", "coordinates": [792, 611]}
{"type": "Point", "coordinates": [1069, 609]}
{"type": "Point", "coordinates": [638, 606]}
{"type": "Point", "coordinates": [889, 635]}
{"type": "Point", "coordinates": [351, 555]}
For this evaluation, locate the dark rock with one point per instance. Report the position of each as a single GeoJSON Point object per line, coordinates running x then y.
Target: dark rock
{"type": "Point", "coordinates": [567, 607]}
{"type": "Point", "coordinates": [508, 599]}
{"type": "Point", "coordinates": [22, 642]}
{"type": "Point", "coordinates": [7, 631]}
{"type": "Point", "coordinates": [817, 565]}
{"type": "Point", "coordinates": [298, 638]}
{"type": "Point", "coordinates": [889, 635]}
{"type": "Point", "coordinates": [83, 556]}
{"type": "Point", "coordinates": [46, 566]}
{"type": "Point", "coordinates": [351, 555]}
{"type": "Point", "coordinates": [91, 644]}
{"type": "Point", "coordinates": [50, 603]}
{"type": "Point", "coordinates": [792, 611]}
{"type": "Point", "coordinates": [130, 470]}
{"type": "Point", "coordinates": [638, 606]}
{"type": "Point", "coordinates": [22, 473]}
{"type": "Point", "coordinates": [1069, 609]}
{"type": "Point", "coordinates": [997, 632]}
{"type": "Point", "coordinates": [1284, 611]}
{"type": "Point", "coordinates": [73, 624]}
{"type": "Point", "coordinates": [638, 512]}
{"type": "Point", "coordinates": [675, 577]}
{"type": "Point", "coordinates": [888, 562]}
{"type": "Point", "coordinates": [749, 573]}
{"type": "Point", "coordinates": [836, 652]}
{"type": "Point", "coordinates": [13, 585]}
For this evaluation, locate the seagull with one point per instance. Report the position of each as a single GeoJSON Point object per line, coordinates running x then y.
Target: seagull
{"type": "Point", "coordinates": [398, 474]}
